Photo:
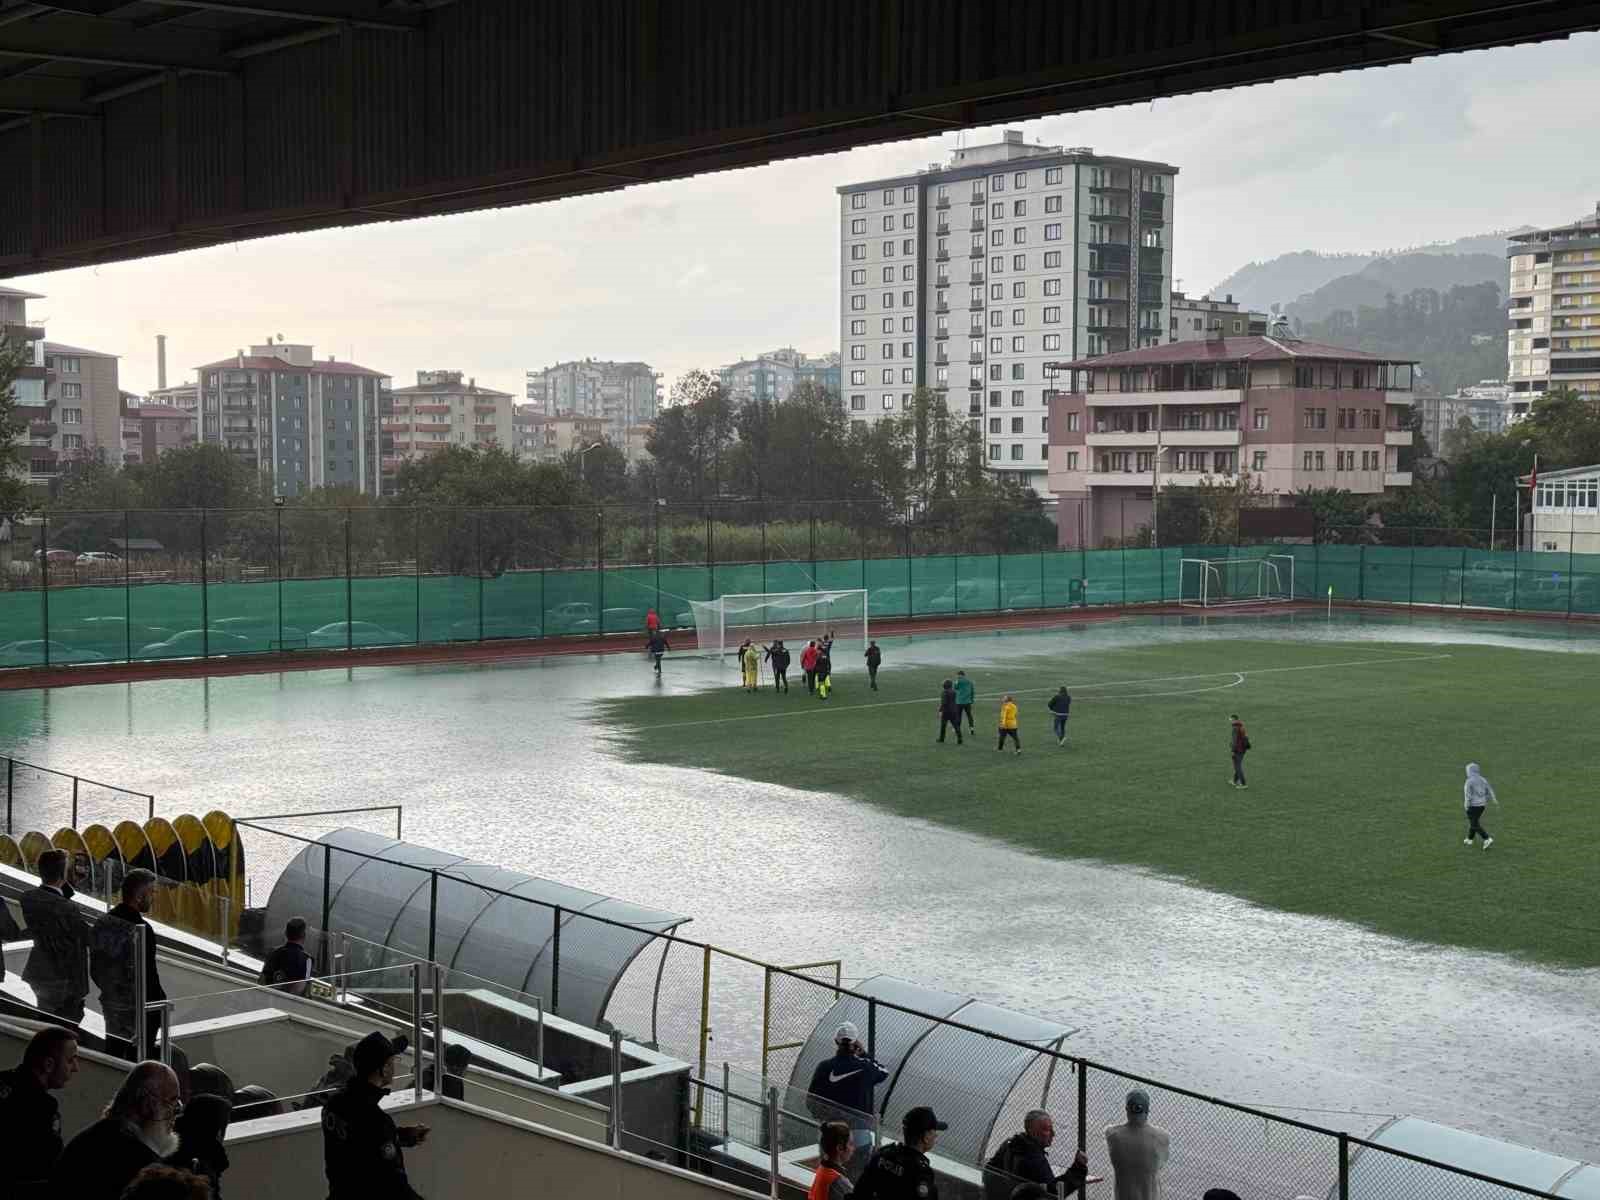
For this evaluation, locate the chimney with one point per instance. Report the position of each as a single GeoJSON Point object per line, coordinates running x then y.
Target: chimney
{"type": "Point", "coordinates": [1013, 137]}
{"type": "Point", "coordinates": [241, 360]}
{"type": "Point", "coordinates": [161, 360]}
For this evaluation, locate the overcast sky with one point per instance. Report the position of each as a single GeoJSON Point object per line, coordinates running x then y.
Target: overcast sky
{"type": "Point", "coordinates": [704, 271]}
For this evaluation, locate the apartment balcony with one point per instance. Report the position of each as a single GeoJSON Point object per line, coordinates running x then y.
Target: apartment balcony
{"type": "Point", "coordinates": [1201, 437]}
{"type": "Point", "coordinates": [42, 428]}
{"type": "Point", "coordinates": [976, 198]}
{"type": "Point", "coordinates": [480, 430]}
{"type": "Point", "coordinates": [975, 359]}
{"type": "Point", "coordinates": [977, 331]}
{"type": "Point", "coordinates": [396, 426]}
{"type": "Point", "coordinates": [1397, 437]}
{"type": "Point", "coordinates": [941, 334]}
{"type": "Point", "coordinates": [1123, 479]}
{"type": "Point", "coordinates": [943, 202]}
{"type": "Point", "coordinates": [1106, 328]}
{"type": "Point", "coordinates": [1397, 396]}
{"type": "Point", "coordinates": [975, 252]}
{"type": "Point", "coordinates": [437, 409]}
{"type": "Point", "coordinates": [976, 277]}
{"type": "Point", "coordinates": [1397, 479]}
{"type": "Point", "coordinates": [975, 385]}
{"type": "Point", "coordinates": [237, 404]}
{"type": "Point", "coordinates": [977, 224]}
{"type": "Point", "coordinates": [941, 256]}
{"type": "Point", "coordinates": [1151, 260]}
{"type": "Point", "coordinates": [974, 410]}
{"type": "Point", "coordinates": [1108, 264]}
{"type": "Point", "coordinates": [485, 409]}
{"type": "Point", "coordinates": [419, 427]}
{"type": "Point", "coordinates": [1230, 396]}
{"type": "Point", "coordinates": [1121, 438]}
{"type": "Point", "coordinates": [1152, 205]}
{"type": "Point", "coordinates": [975, 305]}
{"type": "Point", "coordinates": [941, 360]}
{"type": "Point", "coordinates": [1108, 216]}
{"type": "Point", "coordinates": [1114, 248]}
{"type": "Point", "coordinates": [941, 308]}
{"type": "Point", "coordinates": [391, 462]}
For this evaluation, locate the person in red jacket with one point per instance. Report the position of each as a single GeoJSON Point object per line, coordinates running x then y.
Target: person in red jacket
{"type": "Point", "coordinates": [808, 664]}
{"type": "Point", "coordinates": [1238, 746]}
{"type": "Point", "coordinates": [652, 623]}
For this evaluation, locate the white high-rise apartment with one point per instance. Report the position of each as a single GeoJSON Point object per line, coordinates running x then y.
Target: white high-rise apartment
{"type": "Point", "coordinates": [1554, 313]}
{"type": "Point", "coordinates": [969, 277]}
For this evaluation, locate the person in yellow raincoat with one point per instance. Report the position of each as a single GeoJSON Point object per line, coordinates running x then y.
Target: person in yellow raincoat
{"type": "Point", "coordinates": [750, 661]}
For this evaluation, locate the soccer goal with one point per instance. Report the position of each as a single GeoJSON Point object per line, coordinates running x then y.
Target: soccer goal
{"type": "Point", "coordinates": [1214, 582]}
{"type": "Point", "coordinates": [796, 617]}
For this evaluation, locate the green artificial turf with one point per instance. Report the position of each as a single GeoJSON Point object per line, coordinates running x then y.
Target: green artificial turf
{"type": "Point", "coordinates": [1354, 805]}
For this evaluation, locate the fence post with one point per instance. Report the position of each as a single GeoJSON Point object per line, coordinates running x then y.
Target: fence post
{"type": "Point", "coordinates": [416, 569]}
{"type": "Point", "coordinates": [416, 1036]}
{"type": "Point", "coordinates": [205, 600]}
{"type": "Point", "coordinates": [705, 1025]}
{"type": "Point", "coordinates": [600, 565]}
{"type": "Point", "coordinates": [872, 1027]}
{"type": "Point", "coordinates": [1411, 571]}
{"type": "Point", "coordinates": [438, 1028]}
{"type": "Point", "coordinates": [44, 584]}
{"type": "Point", "coordinates": [11, 768]}
{"type": "Point", "coordinates": [1083, 1108]}
{"type": "Point", "coordinates": [74, 821]}
{"type": "Point", "coordinates": [127, 588]}
{"type": "Point", "coordinates": [555, 964]}
{"type": "Point", "coordinates": [433, 914]}
{"type": "Point", "coordinates": [1344, 1166]}
{"type": "Point", "coordinates": [349, 606]}
{"type": "Point", "coordinates": [277, 563]}
{"type": "Point", "coordinates": [327, 898]}
{"type": "Point", "coordinates": [477, 562]}
{"type": "Point", "coordinates": [538, 1034]}
{"type": "Point", "coordinates": [772, 1140]}
{"type": "Point", "coordinates": [616, 1089]}
{"type": "Point", "coordinates": [726, 1094]}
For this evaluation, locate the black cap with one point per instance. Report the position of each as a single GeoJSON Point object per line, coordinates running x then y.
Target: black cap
{"type": "Point", "coordinates": [374, 1050]}
{"type": "Point", "coordinates": [919, 1121]}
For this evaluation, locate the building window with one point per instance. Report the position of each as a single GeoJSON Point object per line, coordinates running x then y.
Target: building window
{"type": "Point", "coordinates": [1016, 398]}
{"type": "Point", "coordinates": [1305, 460]}
{"type": "Point", "coordinates": [1052, 315]}
{"type": "Point", "coordinates": [1019, 235]}
{"type": "Point", "coordinates": [888, 324]}
{"type": "Point", "coordinates": [1259, 419]}
{"type": "Point", "coordinates": [888, 375]}
{"type": "Point", "coordinates": [908, 247]}
{"type": "Point", "coordinates": [996, 318]}
{"type": "Point", "coordinates": [997, 264]}
{"type": "Point", "coordinates": [997, 345]}
{"type": "Point", "coordinates": [1019, 208]}
{"type": "Point", "coordinates": [1019, 290]}
{"type": "Point", "coordinates": [887, 349]}
{"type": "Point", "coordinates": [888, 224]}
{"type": "Point", "coordinates": [1018, 315]}
{"type": "Point", "coordinates": [1316, 418]}
{"type": "Point", "coordinates": [858, 251]}
{"type": "Point", "coordinates": [888, 299]}
{"type": "Point", "coordinates": [859, 225]}
{"type": "Point", "coordinates": [908, 324]}
{"type": "Point", "coordinates": [997, 291]}
{"type": "Point", "coordinates": [907, 272]}
{"type": "Point", "coordinates": [72, 416]}
{"type": "Point", "coordinates": [996, 371]}
{"type": "Point", "coordinates": [1044, 424]}
{"type": "Point", "coordinates": [905, 375]}
{"type": "Point", "coordinates": [1052, 259]}
{"type": "Point", "coordinates": [908, 193]}
{"type": "Point", "coordinates": [1052, 204]}
{"type": "Point", "coordinates": [994, 451]}
{"type": "Point", "coordinates": [994, 399]}
{"type": "Point", "coordinates": [1016, 425]}
{"type": "Point", "coordinates": [858, 276]}
{"type": "Point", "coordinates": [1052, 287]}
{"type": "Point", "coordinates": [888, 401]}
{"type": "Point", "coordinates": [1016, 451]}
{"type": "Point", "coordinates": [858, 327]}
{"type": "Point", "coordinates": [906, 349]}
{"type": "Point", "coordinates": [997, 237]}
{"type": "Point", "coordinates": [1052, 232]}
{"type": "Point", "coordinates": [994, 424]}
{"type": "Point", "coordinates": [888, 249]}
{"type": "Point", "coordinates": [1320, 461]}
{"type": "Point", "coordinates": [888, 195]}
{"type": "Point", "coordinates": [858, 353]}
{"type": "Point", "coordinates": [1304, 377]}
{"type": "Point", "coordinates": [72, 391]}
{"type": "Point", "coordinates": [1258, 461]}
{"type": "Point", "coordinates": [859, 200]}
{"type": "Point", "coordinates": [1052, 341]}
{"type": "Point", "coordinates": [1019, 180]}
{"type": "Point", "coordinates": [1072, 422]}
{"type": "Point", "coordinates": [858, 377]}
{"type": "Point", "coordinates": [1018, 371]}
{"type": "Point", "coordinates": [1052, 175]}
{"type": "Point", "coordinates": [888, 275]}
{"type": "Point", "coordinates": [1019, 344]}
{"type": "Point", "coordinates": [997, 211]}
{"type": "Point", "coordinates": [997, 183]}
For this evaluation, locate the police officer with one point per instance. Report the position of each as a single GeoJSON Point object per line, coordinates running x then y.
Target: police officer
{"type": "Point", "coordinates": [900, 1170]}
{"type": "Point", "coordinates": [30, 1118]}
{"type": "Point", "coordinates": [361, 1144]}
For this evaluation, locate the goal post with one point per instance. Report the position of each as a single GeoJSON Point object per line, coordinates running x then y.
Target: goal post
{"type": "Point", "coordinates": [796, 617]}
{"type": "Point", "coordinates": [1216, 582]}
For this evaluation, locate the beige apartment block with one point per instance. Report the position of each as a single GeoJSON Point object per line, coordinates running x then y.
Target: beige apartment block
{"type": "Point", "coordinates": [1553, 309]}
{"type": "Point", "coordinates": [1294, 414]}
{"type": "Point", "coordinates": [86, 402]}
{"type": "Point", "coordinates": [443, 410]}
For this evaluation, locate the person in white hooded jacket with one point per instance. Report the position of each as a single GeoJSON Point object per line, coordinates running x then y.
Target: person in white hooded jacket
{"type": "Point", "coordinates": [1476, 794]}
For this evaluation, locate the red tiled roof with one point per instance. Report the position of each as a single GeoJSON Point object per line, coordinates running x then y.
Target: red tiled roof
{"type": "Point", "coordinates": [1236, 349]}
{"type": "Point", "coordinates": [63, 348]}
{"type": "Point", "coordinates": [267, 362]}
{"type": "Point", "coordinates": [447, 389]}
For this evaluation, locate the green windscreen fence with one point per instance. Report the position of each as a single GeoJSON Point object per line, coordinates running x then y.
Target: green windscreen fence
{"type": "Point", "coordinates": [313, 580]}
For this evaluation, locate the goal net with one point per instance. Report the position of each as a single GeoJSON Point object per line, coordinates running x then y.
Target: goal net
{"type": "Point", "coordinates": [1213, 582]}
{"type": "Point", "coordinates": [796, 617]}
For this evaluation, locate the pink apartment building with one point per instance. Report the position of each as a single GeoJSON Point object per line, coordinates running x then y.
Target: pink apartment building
{"type": "Point", "coordinates": [1293, 413]}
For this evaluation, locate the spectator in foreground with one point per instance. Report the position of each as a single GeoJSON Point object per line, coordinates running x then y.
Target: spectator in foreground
{"type": "Point", "coordinates": [457, 1058]}
{"type": "Point", "coordinates": [835, 1149]}
{"type": "Point", "coordinates": [361, 1145]}
{"type": "Point", "coordinates": [1030, 1191]}
{"type": "Point", "coordinates": [208, 1079]}
{"type": "Point", "coordinates": [252, 1102]}
{"type": "Point", "coordinates": [135, 1132]}
{"type": "Point", "coordinates": [55, 968]}
{"type": "Point", "coordinates": [30, 1118]}
{"type": "Point", "coordinates": [201, 1127]}
{"type": "Point", "coordinates": [288, 968]}
{"type": "Point", "coordinates": [901, 1170]}
{"type": "Point", "coordinates": [949, 712]}
{"type": "Point", "coordinates": [167, 1183]}
{"type": "Point", "coordinates": [1138, 1150]}
{"type": "Point", "coordinates": [1025, 1158]}
{"type": "Point", "coordinates": [843, 1088]}
{"type": "Point", "coordinates": [111, 964]}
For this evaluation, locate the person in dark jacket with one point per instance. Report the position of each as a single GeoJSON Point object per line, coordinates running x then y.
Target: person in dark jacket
{"type": "Point", "coordinates": [55, 968]}
{"type": "Point", "coordinates": [201, 1127]}
{"type": "Point", "coordinates": [167, 1183]}
{"type": "Point", "coordinates": [949, 712]}
{"type": "Point", "coordinates": [289, 966]}
{"type": "Point", "coordinates": [778, 655]}
{"type": "Point", "coordinates": [1238, 747]}
{"type": "Point", "coordinates": [111, 964]}
{"type": "Point", "coordinates": [900, 1170]}
{"type": "Point", "coordinates": [1024, 1158]}
{"type": "Point", "coordinates": [825, 668]}
{"type": "Point", "coordinates": [656, 647]}
{"type": "Point", "coordinates": [874, 658]}
{"type": "Point", "coordinates": [361, 1144]}
{"type": "Point", "coordinates": [1060, 708]}
{"type": "Point", "coordinates": [843, 1089]}
{"type": "Point", "coordinates": [135, 1132]}
{"type": "Point", "coordinates": [30, 1118]}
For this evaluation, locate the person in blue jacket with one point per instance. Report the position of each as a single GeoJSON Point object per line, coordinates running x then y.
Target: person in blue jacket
{"type": "Point", "coordinates": [842, 1089]}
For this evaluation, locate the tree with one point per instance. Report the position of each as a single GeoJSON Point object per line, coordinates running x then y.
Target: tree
{"type": "Point", "coordinates": [15, 499]}
{"type": "Point", "coordinates": [691, 438]}
{"type": "Point", "coordinates": [1207, 513]}
{"type": "Point", "coordinates": [601, 474]}
{"type": "Point", "coordinates": [200, 476]}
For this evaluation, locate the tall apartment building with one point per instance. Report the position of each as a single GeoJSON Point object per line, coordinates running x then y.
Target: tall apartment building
{"type": "Point", "coordinates": [545, 439]}
{"type": "Point", "coordinates": [758, 379]}
{"type": "Point", "coordinates": [307, 422]}
{"type": "Point", "coordinates": [619, 393]}
{"type": "Point", "coordinates": [1554, 313]}
{"type": "Point", "coordinates": [1483, 403]}
{"type": "Point", "coordinates": [183, 395]}
{"type": "Point", "coordinates": [1295, 414]}
{"type": "Point", "coordinates": [968, 277]}
{"type": "Point", "coordinates": [441, 410]}
{"type": "Point", "coordinates": [1193, 319]}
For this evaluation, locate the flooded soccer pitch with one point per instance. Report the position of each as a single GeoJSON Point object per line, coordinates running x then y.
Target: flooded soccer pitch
{"type": "Point", "coordinates": [511, 764]}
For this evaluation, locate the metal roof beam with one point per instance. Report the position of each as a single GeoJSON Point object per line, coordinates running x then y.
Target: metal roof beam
{"type": "Point", "coordinates": [324, 12]}
{"type": "Point", "coordinates": [70, 38]}
{"type": "Point", "coordinates": [49, 94]}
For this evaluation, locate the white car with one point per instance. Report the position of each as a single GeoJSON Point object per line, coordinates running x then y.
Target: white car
{"type": "Point", "coordinates": [337, 635]}
{"type": "Point", "coordinates": [98, 556]}
{"type": "Point", "coordinates": [193, 643]}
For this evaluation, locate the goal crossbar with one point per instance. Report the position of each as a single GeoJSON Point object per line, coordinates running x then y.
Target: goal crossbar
{"type": "Point", "coordinates": [1217, 582]}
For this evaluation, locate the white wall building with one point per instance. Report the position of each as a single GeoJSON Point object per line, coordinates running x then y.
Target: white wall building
{"type": "Point", "coordinates": [968, 277]}
{"type": "Point", "coordinates": [1566, 512]}
{"type": "Point", "coordinates": [1554, 313]}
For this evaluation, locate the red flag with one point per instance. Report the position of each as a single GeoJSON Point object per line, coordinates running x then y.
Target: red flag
{"type": "Point", "coordinates": [1533, 480]}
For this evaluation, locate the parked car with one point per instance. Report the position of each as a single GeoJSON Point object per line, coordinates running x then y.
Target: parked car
{"type": "Point", "coordinates": [262, 631]}
{"type": "Point", "coordinates": [573, 617]}
{"type": "Point", "coordinates": [65, 557]}
{"type": "Point", "coordinates": [99, 556]}
{"type": "Point", "coordinates": [338, 635]}
{"type": "Point", "coordinates": [468, 630]}
{"type": "Point", "coordinates": [32, 653]}
{"type": "Point", "coordinates": [193, 643]}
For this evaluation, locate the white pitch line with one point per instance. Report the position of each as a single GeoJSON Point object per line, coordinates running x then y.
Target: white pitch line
{"type": "Point", "coordinates": [1360, 662]}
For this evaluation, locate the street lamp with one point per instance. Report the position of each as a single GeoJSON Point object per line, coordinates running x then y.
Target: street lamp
{"type": "Point", "coordinates": [582, 454]}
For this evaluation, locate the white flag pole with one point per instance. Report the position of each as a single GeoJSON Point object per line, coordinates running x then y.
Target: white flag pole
{"type": "Point", "coordinates": [1493, 505]}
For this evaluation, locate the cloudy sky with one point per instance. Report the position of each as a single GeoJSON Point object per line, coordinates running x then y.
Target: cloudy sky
{"type": "Point", "coordinates": [708, 270]}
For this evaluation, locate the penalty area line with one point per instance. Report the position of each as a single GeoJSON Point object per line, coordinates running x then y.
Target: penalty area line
{"type": "Point", "coordinates": [1236, 678]}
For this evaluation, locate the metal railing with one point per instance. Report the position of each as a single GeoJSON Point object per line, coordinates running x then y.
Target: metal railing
{"type": "Point", "coordinates": [1260, 1154]}
{"type": "Point", "coordinates": [22, 778]}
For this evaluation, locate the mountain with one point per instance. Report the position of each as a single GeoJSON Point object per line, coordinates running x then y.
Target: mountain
{"type": "Point", "coordinates": [1397, 276]}
{"type": "Point", "coordinates": [1288, 277]}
